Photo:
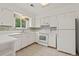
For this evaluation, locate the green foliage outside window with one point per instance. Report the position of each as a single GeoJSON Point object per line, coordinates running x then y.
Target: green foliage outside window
{"type": "Point", "coordinates": [18, 23]}
{"type": "Point", "coordinates": [23, 23]}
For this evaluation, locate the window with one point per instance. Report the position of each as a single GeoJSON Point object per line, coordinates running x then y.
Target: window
{"type": "Point", "coordinates": [23, 23]}
{"type": "Point", "coordinates": [20, 23]}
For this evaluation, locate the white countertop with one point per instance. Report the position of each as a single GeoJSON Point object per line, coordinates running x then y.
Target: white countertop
{"type": "Point", "coordinates": [7, 36]}
{"type": "Point", "coordinates": [6, 39]}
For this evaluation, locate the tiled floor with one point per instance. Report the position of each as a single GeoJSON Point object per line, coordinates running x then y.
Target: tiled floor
{"type": "Point", "coordinates": [39, 50]}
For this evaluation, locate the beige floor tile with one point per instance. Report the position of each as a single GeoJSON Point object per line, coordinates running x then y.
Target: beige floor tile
{"type": "Point", "coordinates": [39, 50]}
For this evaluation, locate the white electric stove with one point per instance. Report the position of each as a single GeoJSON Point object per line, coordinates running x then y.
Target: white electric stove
{"type": "Point", "coordinates": [44, 36]}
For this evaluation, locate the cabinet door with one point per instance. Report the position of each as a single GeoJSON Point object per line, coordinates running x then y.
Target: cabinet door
{"type": "Point", "coordinates": [32, 22]}
{"type": "Point", "coordinates": [66, 41]}
{"type": "Point", "coordinates": [52, 39]}
{"type": "Point", "coordinates": [66, 21]}
{"type": "Point", "coordinates": [44, 21]}
{"type": "Point", "coordinates": [32, 37]}
{"type": "Point", "coordinates": [25, 39]}
{"type": "Point", "coordinates": [53, 21]}
{"type": "Point", "coordinates": [7, 18]}
{"type": "Point", "coordinates": [18, 44]}
{"type": "Point", "coordinates": [37, 22]}
{"type": "Point", "coordinates": [1, 14]}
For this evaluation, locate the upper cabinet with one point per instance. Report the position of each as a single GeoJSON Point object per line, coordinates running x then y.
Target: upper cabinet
{"type": "Point", "coordinates": [53, 21]}
{"type": "Point", "coordinates": [6, 18]}
{"type": "Point", "coordinates": [34, 22]}
{"type": "Point", "coordinates": [44, 21]}
{"type": "Point", "coordinates": [37, 22]}
{"type": "Point", "coordinates": [66, 21]}
{"type": "Point", "coordinates": [50, 20]}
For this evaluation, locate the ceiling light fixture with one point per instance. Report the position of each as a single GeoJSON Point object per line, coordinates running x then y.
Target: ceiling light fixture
{"type": "Point", "coordinates": [43, 4]}
{"type": "Point", "coordinates": [31, 5]}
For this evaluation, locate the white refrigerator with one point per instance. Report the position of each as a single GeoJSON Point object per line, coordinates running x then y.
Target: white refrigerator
{"type": "Point", "coordinates": [66, 41]}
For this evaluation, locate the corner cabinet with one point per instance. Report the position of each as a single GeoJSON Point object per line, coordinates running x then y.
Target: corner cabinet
{"type": "Point", "coordinates": [23, 40]}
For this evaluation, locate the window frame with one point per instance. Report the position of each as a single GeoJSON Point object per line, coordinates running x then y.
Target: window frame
{"type": "Point", "coordinates": [21, 27]}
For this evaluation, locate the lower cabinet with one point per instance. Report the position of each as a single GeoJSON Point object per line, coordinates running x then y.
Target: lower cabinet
{"type": "Point", "coordinates": [18, 44]}
{"type": "Point", "coordinates": [52, 39]}
{"type": "Point", "coordinates": [24, 40]}
{"type": "Point", "coordinates": [7, 49]}
{"type": "Point", "coordinates": [18, 41]}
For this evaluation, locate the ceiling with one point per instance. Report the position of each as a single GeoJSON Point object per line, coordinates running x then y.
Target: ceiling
{"type": "Point", "coordinates": [38, 10]}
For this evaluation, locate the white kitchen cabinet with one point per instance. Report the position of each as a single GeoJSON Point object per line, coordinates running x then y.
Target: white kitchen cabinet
{"type": "Point", "coordinates": [66, 21]}
{"type": "Point", "coordinates": [32, 22]}
{"type": "Point", "coordinates": [18, 44]}
{"type": "Point", "coordinates": [27, 39]}
{"type": "Point", "coordinates": [7, 49]}
{"type": "Point", "coordinates": [52, 39]}
{"type": "Point", "coordinates": [44, 21]}
{"type": "Point", "coordinates": [66, 41]}
{"type": "Point", "coordinates": [53, 21]}
{"type": "Point", "coordinates": [7, 46]}
{"type": "Point", "coordinates": [6, 18]}
{"type": "Point", "coordinates": [23, 40]}
{"type": "Point", "coordinates": [36, 36]}
{"type": "Point", "coordinates": [37, 22]}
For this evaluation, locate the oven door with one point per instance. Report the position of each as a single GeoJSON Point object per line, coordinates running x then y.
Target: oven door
{"type": "Point", "coordinates": [43, 37]}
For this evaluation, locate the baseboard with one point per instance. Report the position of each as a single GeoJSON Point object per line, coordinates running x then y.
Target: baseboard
{"type": "Point", "coordinates": [52, 47]}
{"type": "Point", "coordinates": [49, 47]}
{"type": "Point", "coordinates": [66, 53]}
{"type": "Point", "coordinates": [27, 46]}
